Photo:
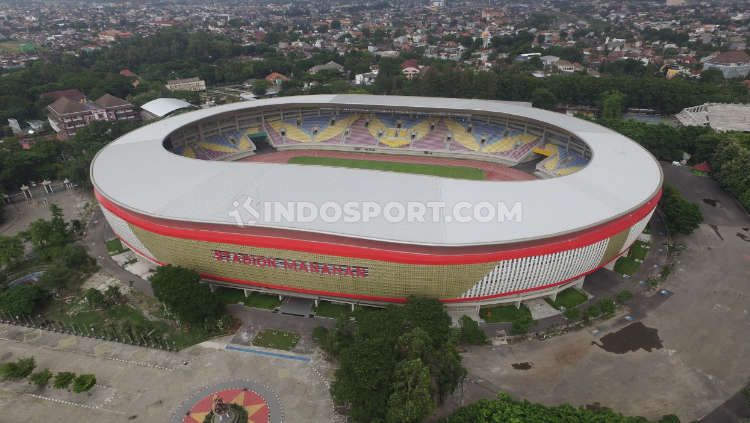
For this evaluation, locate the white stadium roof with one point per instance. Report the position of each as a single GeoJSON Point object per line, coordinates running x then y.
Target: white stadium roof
{"type": "Point", "coordinates": [720, 116]}
{"type": "Point", "coordinates": [137, 173]}
{"type": "Point", "coordinates": [161, 107]}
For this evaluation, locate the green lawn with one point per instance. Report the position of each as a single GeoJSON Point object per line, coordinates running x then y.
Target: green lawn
{"type": "Point", "coordinates": [456, 172]}
{"type": "Point", "coordinates": [17, 47]}
{"type": "Point", "coordinates": [278, 339]}
{"type": "Point", "coordinates": [328, 309]}
{"type": "Point", "coordinates": [230, 295]}
{"type": "Point", "coordinates": [568, 298]}
{"type": "Point", "coordinates": [638, 250]}
{"type": "Point", "coordinates": [258, 300]}
{"type": "Point", "coordinates": [125, 321]}
{"type": "Point", "coordinates": [626, 266]}
{"type": "Point", "coordinates": [508, 313]}
{"type": "Point", "coordinates": [114, 246]}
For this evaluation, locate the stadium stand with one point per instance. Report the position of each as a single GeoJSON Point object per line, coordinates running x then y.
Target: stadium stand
{"type": "Point", "coordinates": [559, 161]}
{"type": "Point", "coordinates": [505, 141]}
{"type": "Point", "coordinates": [217, 147]}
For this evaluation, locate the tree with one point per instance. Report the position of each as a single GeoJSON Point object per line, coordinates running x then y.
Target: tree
{"type": "Point", "coordinates": [543, 99]}
{"type": "Point", "coordinates": [11, 249]}
{"type": "Point", "coordinates": [56, 277]}
{"type": "Point", "coordinates": [470, 332]}
{"type": "Point", "coordinates": [183, 294]}
{"type": "Point", "coordinates": [681, 215]}
{"type": "Point", "coordinates": [373, 350]}
{"type": "Point", "coordinates": [613, 104]}
{"type": "Point", "coordinates": [22, 300]}
{"type": "Point", "coordinates": [411, 399]}
{"type": "Point", "coordinates": [260, 87]}
{"type": "Point", "coordinates": [41, 378]}
{"type": "Point", "coordinates": [94, 298]}
{"type": "Point", "coordinates": [83, 383]}
{"type": "Point", "coordinates": [43, 234]}
{"type": "Point", "coordinates": [17, 370]}
{"type": "Point", "coordinates": [506, 409]}
{"type": "Point", "coordinates": [63, 379]}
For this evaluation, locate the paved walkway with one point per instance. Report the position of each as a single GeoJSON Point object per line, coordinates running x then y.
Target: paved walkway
{"type": "Point", "coordinates": [144, 385]}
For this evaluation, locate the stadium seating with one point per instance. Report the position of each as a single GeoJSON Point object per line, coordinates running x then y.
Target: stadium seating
{"type": "Point", "coordinates": [559, 162]}
{"type": "Point", "coordinates": [396, 131]}
{"type": "Point", "coordinates": [291, 131]}
{"type": "Point", "coordinates": [461, 135]}
{"type": "Point", "coordinates": [336, 131]}
{"type": "Point", "coordinates": [216, 147]}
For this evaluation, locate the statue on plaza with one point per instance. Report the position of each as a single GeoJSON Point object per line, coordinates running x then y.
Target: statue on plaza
{"type": "Point", "coordinates": [221, 412]}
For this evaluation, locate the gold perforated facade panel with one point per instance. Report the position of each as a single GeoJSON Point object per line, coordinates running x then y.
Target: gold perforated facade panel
{"type": "Point", "coordinates": [383, 279]}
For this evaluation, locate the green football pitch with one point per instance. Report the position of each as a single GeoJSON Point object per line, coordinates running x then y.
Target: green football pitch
{"type": "Point", "coordinates": [456, 172]}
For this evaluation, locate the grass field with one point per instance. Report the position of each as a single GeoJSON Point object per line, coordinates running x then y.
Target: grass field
{"type": "Point", "coordinates": [278, 339]}
{"type": "Point", "coordinates": [626, 266]}
{"type": "Point", "coordinates": [266, 301]}
{"type": "Point", "coordinates": [567, 298]}
{"type": "Point", "coordinates": [638, 250]}
{"type": "Point", "coordinates": [16, 47]}
{"type": "Point", "coordinates": [327, 309]}
{"type": "Point", "coordinates": [455, 172]}
{"type": "Point", "coordinates": [114, 246]}
{"type": "Point", "coordinates": [507, 313]}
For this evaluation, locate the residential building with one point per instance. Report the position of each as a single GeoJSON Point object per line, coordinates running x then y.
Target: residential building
{"type": "Point", "coordinates": [66, 115]}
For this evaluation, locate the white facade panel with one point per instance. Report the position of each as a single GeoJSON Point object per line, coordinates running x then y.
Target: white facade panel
{"type": "Point", "coordinates": [536, 271]}
{"type": "Point", "coordinates": [122, 230]}
{"type": "Point", "coordinates": [635, 231]}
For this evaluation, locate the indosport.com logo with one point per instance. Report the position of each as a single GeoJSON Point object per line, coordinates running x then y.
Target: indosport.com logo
{"type": "Point", "coordinates": [251, 212]}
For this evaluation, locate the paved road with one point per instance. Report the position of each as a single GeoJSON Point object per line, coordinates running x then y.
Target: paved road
{"type": "Point", "coordinates": [97, 232]}
{"type": "Point", "coordinates": [703, 327]}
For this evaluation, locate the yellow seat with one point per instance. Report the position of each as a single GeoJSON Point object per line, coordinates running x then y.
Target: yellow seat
{"type": "Point", "coordinates": [462, 136]}
{"type": "Point", "coordinates": [219, 148]}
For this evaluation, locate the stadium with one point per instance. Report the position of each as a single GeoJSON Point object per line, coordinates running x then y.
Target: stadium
{"type": "Point", "coordinates": [194, 190]}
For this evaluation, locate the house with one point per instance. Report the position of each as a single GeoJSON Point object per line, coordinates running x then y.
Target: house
{"type": "Point", "coordinates": [565, 66]}
{"type": "Point", "coordinates": [367, 78]}
{"type": "Point", "coordinates": [330, 66]}
{"type": "Point", "coordinates": [410, 69]}
{"type": "Point", "coordinates": [276, 79]}
{"type": "Point", "coordinates": [549, 61]}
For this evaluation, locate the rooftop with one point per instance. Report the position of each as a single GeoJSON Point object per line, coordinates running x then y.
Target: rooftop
{"type": "Point", "coordinates": [620, 178]}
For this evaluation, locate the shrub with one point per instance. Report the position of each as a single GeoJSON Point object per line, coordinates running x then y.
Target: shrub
{"type": "Point", "coordinates": [624, 296]}
{"type": "Point", "coordinates": [470, 333]}
{"type": "Point", "coordinates": [18, 370]}
{"type": "Point", "coordinates": [41, 379]}
{"type": "Point", "coordinates": [669, 418]}
{"type": "Point", "coordinates": [607, 306]}
{"type": "Point", "coordinates": [83, 383]}
{"type": "Point", "coordinates": [94, 297]}
{"type": "Point", "coordinates": [320, 335]}
{"type": "Point", "coordinates": [22, 300]}
{"type": "Point", "coordinates": [521, 324]}
{"type": "Point", "coordinates": [572, 314]}
{"type": "Point", "coordinates": [63, 380]}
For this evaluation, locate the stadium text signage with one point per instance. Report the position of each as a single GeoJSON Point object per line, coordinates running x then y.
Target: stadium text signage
{"type": "Point", "coordinates": [294, 265]}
